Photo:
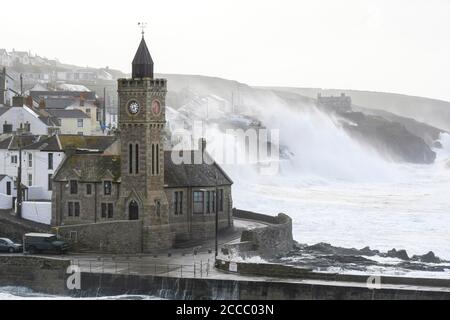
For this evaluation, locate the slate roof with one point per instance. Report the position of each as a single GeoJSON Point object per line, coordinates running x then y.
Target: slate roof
{"type": "Point", "coordinates": [64, 142]}
{"type": "Point", "coordinates": [45, 117]}
{"type": "Point", "coordinates": [4, 110]}
{"type": "Point", "coordinates": [88, 95]}
{"type": "Point", "coordinates": [93, 167]}
{"type": "Point", "coordinates": [12, 142]}
{"type": "Point", "coordinates": [68, 113]}
{"type": "Point", "coordinates": [59, 143]}
{"type": "Point", "coordinates": [100, 143]}
{"type": "Point", "coordinates": [193, 175]}
{"type": "Point", "coordinates": [90, 167]}
{"type": "Point", "coordinates": [142, 66]}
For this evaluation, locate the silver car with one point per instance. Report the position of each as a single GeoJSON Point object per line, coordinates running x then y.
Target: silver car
{"type": "Point", "coordinates": [6, 245]}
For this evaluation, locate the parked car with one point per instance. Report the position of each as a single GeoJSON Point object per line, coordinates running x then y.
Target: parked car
{"type": "Point", "coordinates": [7, 245]}
{"type": "Point", "coordinates": [44, 242]}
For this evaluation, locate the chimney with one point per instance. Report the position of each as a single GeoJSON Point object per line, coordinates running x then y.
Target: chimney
{"type": "Point", "coordinates": [42, 104]}
{"type": "Point", "coordinates": [18, 101]}
{"type": "Point", "coordinates": [29, 102]}
{"type": "Point", "coordinates": [82, 100]}
{"type": "Point", "coordinates": [202, 144]}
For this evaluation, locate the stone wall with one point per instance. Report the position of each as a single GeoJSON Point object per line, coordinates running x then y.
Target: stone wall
{"type": "Point", "coordinates": [106, 237]}
{"type": "Point", "coordinates": [94, 284]}
{"type": "Point", "coordinates": [273, 239]}
{"type": "Point", "coordinates": [294, 272]}
{"type": "Point", "coordinates": [14, 228]}
{"type": "Point", "coordinates": [40, 274]}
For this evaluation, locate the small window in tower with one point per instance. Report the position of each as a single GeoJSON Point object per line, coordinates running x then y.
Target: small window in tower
{"type": "Point", "coordinates": [130, 159]}
{"type": "Point", "coordinates": [137, 158]}
{"type": "Point", "coordinates": [158, 207]}
{"type": "Point", "coordinates": [157, 159]}
{"type": "Point", "coordinates": [153, 159]}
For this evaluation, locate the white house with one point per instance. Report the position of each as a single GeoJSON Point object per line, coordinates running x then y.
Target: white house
{"type": "Point", "coordinates": [22, 57]}
{"type": "Point", "coordinates": [5, 58]}
{"type": "Point", "coordinates": [41, 158]}
{"type": "Point", "coordinates": [27, 119]}
{"type": "Point", "coordinates": [7, 191]}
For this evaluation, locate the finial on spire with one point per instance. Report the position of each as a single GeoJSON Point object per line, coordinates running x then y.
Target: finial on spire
{"type": "Point", "coordinates": [142, 25]}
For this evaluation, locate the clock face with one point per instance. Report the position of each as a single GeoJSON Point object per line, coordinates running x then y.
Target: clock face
{"type": "Point", "coordinates": [156, 107]}
{"type": "Point", "coordinates": [133, 107]}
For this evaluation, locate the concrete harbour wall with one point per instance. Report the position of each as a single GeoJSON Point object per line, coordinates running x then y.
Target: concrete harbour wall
{"type": "Point", "coordinates": [40, 274]}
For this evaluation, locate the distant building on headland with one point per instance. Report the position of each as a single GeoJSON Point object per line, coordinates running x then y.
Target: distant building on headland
{"type": "Point", "coordinates": [342, 103]}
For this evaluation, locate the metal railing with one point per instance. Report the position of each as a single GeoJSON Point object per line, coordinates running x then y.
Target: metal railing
{"type": "Point", "coordinates": [199, 269]}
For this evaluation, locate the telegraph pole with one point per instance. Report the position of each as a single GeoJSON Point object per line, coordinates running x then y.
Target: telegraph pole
{"type": "Point", "coordinates": [217, 216]}
{"type": "Point", "coordinates": [104, 111]}
{"type": "Point", "coordinates": [19, 168]}
{"type": "Point", "coordinates": [19, 178]}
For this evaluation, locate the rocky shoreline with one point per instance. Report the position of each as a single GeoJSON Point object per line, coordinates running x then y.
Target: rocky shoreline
{"type": "Point", "coordinates": [324, 256]}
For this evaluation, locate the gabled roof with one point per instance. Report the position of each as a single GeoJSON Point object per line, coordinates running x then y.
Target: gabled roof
{"type": "Point", "coordinates": [205, 174]}
{"type": "Point", "coordinates": [12, 142]}
{"type": "Point", "coordinates": [42, 115]}
{"type": "Point", "coordinates": [65, 142]}
{"type": "Point", "coordinates": [67, 113]}
{"type": "Point", "coordinates": [100, 143]}
{"type": "Point", "coordinates": [89, 168]}
{"type": "Point", "coordinates": [95, 167]}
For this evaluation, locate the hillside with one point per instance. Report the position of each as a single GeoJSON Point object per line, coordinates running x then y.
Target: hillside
{"type": "Point", "coordinates": [431, 111]}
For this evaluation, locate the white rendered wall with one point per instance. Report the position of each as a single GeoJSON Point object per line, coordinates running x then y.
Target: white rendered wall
{"type": "Point", "coordinates": [37, 211]}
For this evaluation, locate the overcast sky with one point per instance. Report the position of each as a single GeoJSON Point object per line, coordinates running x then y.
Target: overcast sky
{"type": "Point", "coordinates": [398, 46]}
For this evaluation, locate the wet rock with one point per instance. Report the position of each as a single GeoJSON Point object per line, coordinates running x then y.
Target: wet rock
{"type": "Point", "coordinates": [366, 251]}
{"type": "Point", "coordinates": [430, 257]}
{"type": "Point", "coordinates": [421, 267]}
{"type": "Point", "coordinates": [349, 259]}
{"type": "Point", "coordinates": [437, 145]}
{"type": "Point", "coordinates": [401, 254]}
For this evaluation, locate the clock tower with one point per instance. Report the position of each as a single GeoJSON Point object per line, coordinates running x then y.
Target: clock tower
{"type": "Point", "coordinates": [141, 124]}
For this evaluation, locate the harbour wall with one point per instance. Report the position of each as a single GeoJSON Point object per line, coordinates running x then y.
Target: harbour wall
{"type": "Point", "coordinates": [272, 239]}
{"type": "Point", "coordinates": [49, 276]}
{"type": "Point", "coordinates": [44, 275]}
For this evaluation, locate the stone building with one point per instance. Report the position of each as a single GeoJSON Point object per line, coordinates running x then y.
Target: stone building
{"type": "Point", "coordinates": [341, 103]}
{"type": "Point", "coordinates": [139, 199]}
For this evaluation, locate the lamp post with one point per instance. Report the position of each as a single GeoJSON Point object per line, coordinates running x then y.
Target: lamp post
{"type": "Point", "coordinates": [217, 216]}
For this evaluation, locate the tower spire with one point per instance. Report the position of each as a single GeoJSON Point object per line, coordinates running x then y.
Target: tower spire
{"type": "Point", "coordinates": [142, 62]}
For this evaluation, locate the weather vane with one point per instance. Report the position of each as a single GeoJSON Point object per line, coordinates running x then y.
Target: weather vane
{"type": "Point", "coordinates": [142, 25]}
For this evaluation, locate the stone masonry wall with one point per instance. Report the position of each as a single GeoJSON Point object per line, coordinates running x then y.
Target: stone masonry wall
{"type": "Point", "coordinates": [106, 237]}
{"type": "Point", "coordinates": [273, 239]}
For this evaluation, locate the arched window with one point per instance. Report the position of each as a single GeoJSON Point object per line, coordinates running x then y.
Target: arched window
{"type": "Point", "coordinates": [153, 159]}
{"type": "Point", "coordinates": [130, 159]}
{"type": "Point", "coordinates": [157, 159]}
{"type": "Point", "coordinates": [137, 158]}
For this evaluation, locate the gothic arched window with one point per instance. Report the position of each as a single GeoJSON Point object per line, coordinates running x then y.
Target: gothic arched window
{"type": "Point", "coordinates": [137, 158]}
{"type": "Point", "coordinates": [130, 159]}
